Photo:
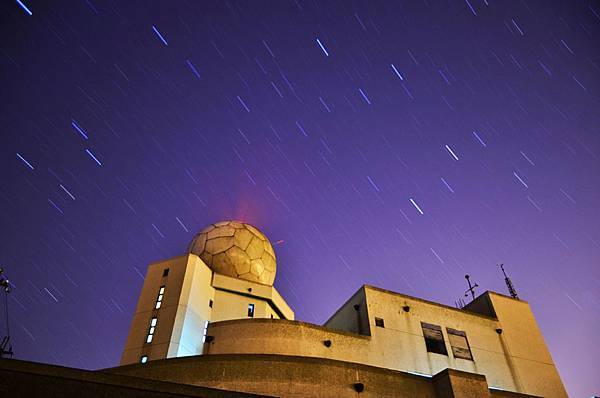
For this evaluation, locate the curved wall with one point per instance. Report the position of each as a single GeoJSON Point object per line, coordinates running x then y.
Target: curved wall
{"type": "Point", "coordinates": [283, 337]}
{"type": "Point", "coordinates": [283, 376]}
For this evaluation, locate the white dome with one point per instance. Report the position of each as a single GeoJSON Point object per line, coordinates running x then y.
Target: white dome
{"type": "Point", "coordinates": [236, 249]}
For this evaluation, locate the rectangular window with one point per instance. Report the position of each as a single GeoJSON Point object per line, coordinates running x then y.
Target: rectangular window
{"type": "Point", "coordinates": [459, 344]}
{"type": "Point", "coordinates": [210, 303]}
{"type": "Point", "coordinates": [159, 299]}
{"type": "Point", "coordinates": [144, 359]}
{"type": "Point", "coordinates": [165, 272]}
{"type": "Point", "coordinates": [250, 310]}
{"type": "Point", "coordinates": [379, 322]}
{"type": "Point", "coordinates": [434, 339]}
{"type": "Point", "coordinates": [151, 329]}
{"type": "Point", "coordinates": [205, 332]}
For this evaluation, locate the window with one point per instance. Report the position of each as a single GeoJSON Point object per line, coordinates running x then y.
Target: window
{"type": "Point", "coordinates": [434, 339]}
{"type": "Point", "coordinates": [205, 332]}
{"type": "Point", "coordinates": [250, 310]}
{"type": "Point", "coordinates": [144, 359]}
{"type": "Point", "coordinates": [210, 303]}
{"type": "Point", "coordinates": [165, 272]}
{"type": "Point", "coordinates": [151, 329]}
{"type": "Point", "coordinates": [161, 293]}
{"type": "Point", "coordinates": [379, 322]}
{"type": "Point", "coordinates": [459, 344]}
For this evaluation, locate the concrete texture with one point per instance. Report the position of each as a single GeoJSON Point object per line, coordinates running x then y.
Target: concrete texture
{"type": "Point", "coordinates": [455, 384]}
{"type": "Point", "coordinates": [22, 379]}
{"type": "Point", "coordinates": [218, 376]}
{"type": "Point", "coordinates": [515, 360]}
{"type": "Point", "coordinates": [302, 377]}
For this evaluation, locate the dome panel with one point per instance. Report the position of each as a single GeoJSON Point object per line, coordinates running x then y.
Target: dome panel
{"type": "Point", "coordinates": [269, 248]}
{"type": "Point", "coordinates": [267, 275]}
{"type": "Point", "coordinates": [218, 245]}
{"type": "Point", "coordinates": [255, 248]}
{"type": "Point", "coordinates": [257, 268]}
{"type": "Point", "coordinates": [256, 232]}
{"type": "Point", "coordinates": [242, 238]}
{"type": "Point", "coordinates": [206, 257]}
{"type": "Point", "coordinates": [197, 244]}
{"type": "Point", "coordinates": [207, 229]}
{"type": "Point", "coordinates": [268, 261]}
{"type": "Point", "coordinates": [225, 230]}
{"type": "Point", "coordinates": [249, 277]}
{"type": "Point", "coordinates": [239, 259]}
{"type": "Point", "coordinates": [224, 265]}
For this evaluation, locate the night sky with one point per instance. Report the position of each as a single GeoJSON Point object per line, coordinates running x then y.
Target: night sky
{"type": "Point", "coordinates": [398, 143]}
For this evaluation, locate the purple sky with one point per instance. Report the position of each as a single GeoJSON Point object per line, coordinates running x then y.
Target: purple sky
{"type": "Point", "coordinates": [127, 126]}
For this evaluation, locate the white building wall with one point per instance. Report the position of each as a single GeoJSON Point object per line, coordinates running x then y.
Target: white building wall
{"type": "Point", "coordinates": [193, 310]}
{"type": "Point", "coordinates": [400, 344]}
{"type": "Point", "coordinates": [190, 286]}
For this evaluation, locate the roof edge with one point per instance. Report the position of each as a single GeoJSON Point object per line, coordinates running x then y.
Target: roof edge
{"type": "Point", "coordinates": [445, 306]}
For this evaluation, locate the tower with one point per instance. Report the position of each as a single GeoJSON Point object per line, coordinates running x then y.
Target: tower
{"type": "Point", "coordinates": [227, 273]}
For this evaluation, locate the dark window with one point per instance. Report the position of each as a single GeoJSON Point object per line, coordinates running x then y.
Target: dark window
{"type": "Point", "coordinates": [379, 322]}
{"type": "Point", "coordinates": [459, 344]}
{"type": "Point", "coordinates": [271, 316]}
{"type": "Point", "coordinates": [434, 339]}
{"type": "Point", "coordinates": [250, 310]}
{"type": "Point", "coordinates": [210, 303]}
{"type": "Point", "coordinates": [144, 359]}
{"type": "Point", "coordinates": [165, 272]}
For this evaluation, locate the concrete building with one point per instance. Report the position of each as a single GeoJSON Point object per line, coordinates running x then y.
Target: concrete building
{"type": "Point", "coordinates": [228, 273]}
{"type": "Point", "coordinates": [210, 323]}
{"type": "Point", "coordinates": [218, 302]}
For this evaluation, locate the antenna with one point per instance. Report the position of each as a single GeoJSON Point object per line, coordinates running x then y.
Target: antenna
{"type": "Point", "coordinates": [5, 346]}
{"type": "Point", "coordinates": [460, 303]}
{"type": "Point", "coordinates": [511, 288]}
{"type": "Point", "coordinates": [471, 288]}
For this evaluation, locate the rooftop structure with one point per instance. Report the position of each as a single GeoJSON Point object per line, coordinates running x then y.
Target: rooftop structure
{"type": "Point", "coordinates": [218, 305]}
{"type": "Point", "coordinates": [211, 324]}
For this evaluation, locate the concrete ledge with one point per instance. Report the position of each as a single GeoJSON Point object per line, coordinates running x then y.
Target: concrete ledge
{"type": "Point", "coordinates": [235, 375]}
{"type": "Point", "coordinates": [451, 383]}
{"type": "Point", "coordinates": [465, 310]}
{"type": "Point", "coordinates": [296, 376]}
{"type": "Point", "coordinates": [289, 322]}
{"type": "Point", "coordinates": [31, 380]}
{"type": "Point", "coordinates": [285, 376]}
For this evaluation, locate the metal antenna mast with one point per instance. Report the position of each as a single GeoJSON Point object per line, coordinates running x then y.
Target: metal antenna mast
{"type": "Point", "coordinates": [460, 303]}
{"type": "Point", "coordinates": [511, 288]}
{"type": "Point", "coordinates": [471, 288]}
{"type": "Point", "coordinates": [5, 346]}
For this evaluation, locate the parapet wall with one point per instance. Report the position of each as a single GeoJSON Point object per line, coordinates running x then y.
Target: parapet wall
{"type": "Point", "coordinates": [399, 344]}
{"type": "Point", "coordinates": [282, 337]}
{"type": "Point", "coordinates": [302, 377]}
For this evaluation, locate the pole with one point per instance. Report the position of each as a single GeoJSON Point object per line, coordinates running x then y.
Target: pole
{"type": "Point", "coordinates": [471, 288]}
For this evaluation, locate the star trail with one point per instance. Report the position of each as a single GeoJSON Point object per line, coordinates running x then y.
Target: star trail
{"type": "Point", "coordinates": [395, 143]}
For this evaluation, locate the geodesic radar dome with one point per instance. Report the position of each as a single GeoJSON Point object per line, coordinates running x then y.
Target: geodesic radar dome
{"type": "Point", "coordinates": [236, 249]}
